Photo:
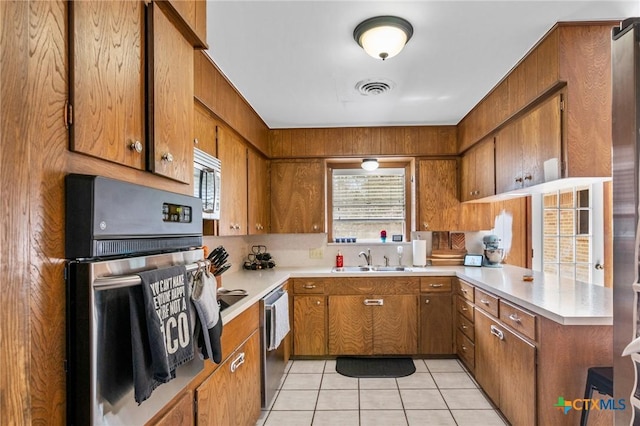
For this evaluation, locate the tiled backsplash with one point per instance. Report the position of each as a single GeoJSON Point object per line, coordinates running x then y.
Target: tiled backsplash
{"type": "Point", "coordinates": [293, 250]}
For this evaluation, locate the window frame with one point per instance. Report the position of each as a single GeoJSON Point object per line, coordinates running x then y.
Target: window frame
{"type": "Point", "coordinates": [351, 164]}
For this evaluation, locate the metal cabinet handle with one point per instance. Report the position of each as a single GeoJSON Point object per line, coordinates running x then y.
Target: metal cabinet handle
{"type": "Point", "coordinates": [528, 176]}
{"type": "Point", "coordinates": [519, 179]}
{"type": "Point", "coordinates": [464, 308]}
{"type": "Point", "coordinates": [425, 225]}
{"type": "Point", "coordinates": [599, 266]}
{"type": "Point", "coordinates": [464, 327]}
{"type": "Point", "coordinates": [196, 141]}
{"type": "Point", "coordinates": [374, 302]}
{"type": "Point", "coordinates": [136, 146]}
{"type": "Point", "coordinates": [309, 286]}
{"type": "Point", "coordinates": [485, 302]}
{"type": "Point", "coordinates": [436, 285]}
{"type": "Point", "coordinates": [168, 157]}
{"type": "Point", "coordinates": [237, 362]}
{"type": "Point", "coordinates": [464, 290]}
{"type": "Point", "coordinates": [464, 348]}
{"type": "Point", "coordinates": [426, 301]}
{"type": "Point", "coordinates": [497, 332]}
{"type": "Point", "coordinates": [515, 318]}
{"type": "Point", "coordinates": [318, 302]}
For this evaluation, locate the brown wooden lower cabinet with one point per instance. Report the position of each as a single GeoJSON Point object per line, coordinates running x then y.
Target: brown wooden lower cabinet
{"type": "Point", "coordinates": [505, 367]}
{"type": "Point", "coordinates": [373, 324]}
{"type": "Point", "coordinates": [231, 395]}
{"type": "Point", "coordinates": [309, 323]}
{"type": "Point", "coordinates": [436, 324]}
{"type": "Point", "coordinates": [180, 414]}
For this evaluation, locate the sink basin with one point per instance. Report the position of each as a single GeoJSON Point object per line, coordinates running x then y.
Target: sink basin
{"type": "Point", "coordinates": [226, 300]}
{"type": "Point", "coordinates": [371, 269]}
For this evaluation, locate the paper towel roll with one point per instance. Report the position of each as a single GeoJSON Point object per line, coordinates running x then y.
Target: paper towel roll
{"type": "Point", "coordinates": [419, 252]}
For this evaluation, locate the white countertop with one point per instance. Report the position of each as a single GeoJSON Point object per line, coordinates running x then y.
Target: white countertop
{"type": "Point", "coordinates": [566, 302]}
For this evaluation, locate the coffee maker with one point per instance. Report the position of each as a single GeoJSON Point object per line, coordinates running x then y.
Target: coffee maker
{"type": "Point", "coordinates": [493, 254]}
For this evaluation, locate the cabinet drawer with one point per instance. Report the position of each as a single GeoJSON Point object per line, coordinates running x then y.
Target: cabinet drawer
{"type": "Point", "coordinates": [518, 319]}
{"type": "Point", "coordinates": [464, 307]}
{"type": "Point", "coordinates": [465, 349]}
{"type": "Point", "coordinates": [466, 327]}
{"type": "Point", "coordinates": [487, 302]}
{"type": "Point", "coordinates": [435, 284]}
{"type": "Point", "coordinates": [465, 290]}
{"type": "Point", "coordinates": [308, 286]}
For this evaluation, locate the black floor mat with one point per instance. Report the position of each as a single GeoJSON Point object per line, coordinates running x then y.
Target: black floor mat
{"type": "Point", "coordinates": [375, 367]}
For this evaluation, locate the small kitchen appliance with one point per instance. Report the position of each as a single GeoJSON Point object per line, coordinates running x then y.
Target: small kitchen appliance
{"type": "Point", "coordinates": [493, 254]}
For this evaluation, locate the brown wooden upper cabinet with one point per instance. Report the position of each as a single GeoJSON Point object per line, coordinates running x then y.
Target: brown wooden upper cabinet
{"type": "Point", "coordinates": [259, 212]}
{"type": "Point", "coordinates": [477, 171]}
{"type": "Point", "coordinates": [107, 80]}
{"type": "Point", "coordinates": [110, 58]}
{"type": "Point", "coordinates": [204, 129]}
{"type": "Point", "coordinates": [437, 195]}
{"type": "Point", "coordinates": [297, 196]}
{"type": "Point", "coordinates": [170, 103]}
{"type": "Point", "coordinates": [232, 153]}
{"type": "Point", "coordinates": [530, 146]}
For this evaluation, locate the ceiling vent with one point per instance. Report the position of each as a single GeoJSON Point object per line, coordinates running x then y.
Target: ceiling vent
{"type": "Point", "coordinates": [374, 87]}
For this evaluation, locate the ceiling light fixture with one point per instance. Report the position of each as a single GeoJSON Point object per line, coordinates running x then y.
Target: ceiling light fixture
{"type": "Point", "coordinates": [383, 36]}
{"type": "Point", "coordinates": [369, 164]}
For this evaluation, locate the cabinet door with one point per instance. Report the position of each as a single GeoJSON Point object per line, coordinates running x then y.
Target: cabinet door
{"type": "Point", "coordinates": [485, 182]}
{"type": "Point", "coordinates": [259, 210]}
{"type": "Point", "coordinates": [180, 414]}
{"type": "Point", "coordinates": [231, 395]}
{"type": "Point", "coordinates": [468, 176]}
{"type": "Point", "coordinates": [170, 100]}
{"type": "Point", "coordinates": [541, 138]}
{"type": "Point", "coordinates": [395, 325]}
{"type": "Point", "coordinates": [509, 158]}
{"type": "Point", "coordinates": [297, 196]}
{"type": "Point", "coordinates": [233, 196]}
{"type": "Point", "coordinates": [193, 15]}
{"type": "Point", "coordinates": [488, 356]}
{"type": "Point", "coordinates": [518, 386]}
{"type": "Point", "coordinates": [204, 133]}
{"type": "Point", "coordinates": [309, 323]}
{"type": "Point", "coordinates": [438, 195]}
{"type": "Point", "coordinates": [350, 325]}
{"type": "Point", "coordinates": [436, 324]}
{"type": "Point", "coordinates": [107, 81]}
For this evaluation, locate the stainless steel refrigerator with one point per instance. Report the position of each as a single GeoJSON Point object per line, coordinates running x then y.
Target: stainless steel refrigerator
{"type": "Point", "coordinates": [625, 76]}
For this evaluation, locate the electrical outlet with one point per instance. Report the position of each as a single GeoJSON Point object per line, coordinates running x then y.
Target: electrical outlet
{"type": "Point", "coordinates": [316, 253]}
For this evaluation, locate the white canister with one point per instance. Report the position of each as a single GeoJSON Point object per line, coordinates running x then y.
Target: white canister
{"type": "Point", "coordinates": [419, 252]}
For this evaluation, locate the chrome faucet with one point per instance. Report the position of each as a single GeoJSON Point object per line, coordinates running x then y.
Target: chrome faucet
{"type": "Point", "coordinates": [367, 256]}
{"type": "Point", "coordinates": [386, 260]}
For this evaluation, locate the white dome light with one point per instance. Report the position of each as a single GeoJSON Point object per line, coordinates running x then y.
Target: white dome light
{"type": "Point", "coordinates": [369, 164]}
{"type": "Point", "coordinates": [383, 37]}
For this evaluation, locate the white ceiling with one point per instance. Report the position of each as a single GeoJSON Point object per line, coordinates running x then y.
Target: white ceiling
{"type": "Point", "coordinates": [297, 64]}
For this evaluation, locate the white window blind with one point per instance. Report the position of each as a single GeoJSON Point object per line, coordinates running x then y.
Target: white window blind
{"type": "Point", "coordinates": [364, 203]}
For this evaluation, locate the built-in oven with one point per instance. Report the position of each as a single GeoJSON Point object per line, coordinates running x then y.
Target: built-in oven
{"type": "Point", "coordinates": [206, 183]}
{"type": "Point", "coordinates": [274, 327]}
{"type": "Point", "coordinates": [115, 230]}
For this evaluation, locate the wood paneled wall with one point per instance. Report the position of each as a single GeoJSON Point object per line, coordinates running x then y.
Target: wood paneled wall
{"type": "Point", "coordinates": [214, 91]}
{"type": "Point", "coordinates": [361, 141]}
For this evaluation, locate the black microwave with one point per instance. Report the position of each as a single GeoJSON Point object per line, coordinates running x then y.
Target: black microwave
{"type": "Point", "coordinates": [206, 182]}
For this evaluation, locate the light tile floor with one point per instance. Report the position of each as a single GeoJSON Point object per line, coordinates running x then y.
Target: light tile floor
{"type": "Point", "coordinates": [440, 392]}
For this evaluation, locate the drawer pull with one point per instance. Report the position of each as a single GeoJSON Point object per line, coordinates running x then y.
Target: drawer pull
{"type": "Point", "coordinates": [515, 318]}
{"type": "Point", "coordinates": [436, 285]}
{"type": "Point", "coordinates": [464, 308]}
{"type": "Point", "coordinates": [426, 301]}
{"type": "Point", "coordinates": [485, 302]}
{"type": "Point", "coordinates": [318, 302]}
{"type": "Point", "coordinates": [497, 332]}
{"type": "Point", "coordinates": [237, 362]}
{"type": "Point", "coordinates": [464, 348]}
{"type": "Point", "coordinates": [309, 286]}
{"type": "Point", "coordinates": [464, 327]}
{"type": "Point", "coordinates": [374, 302]}
{"type": "Point", "coordinates": [464, 290]}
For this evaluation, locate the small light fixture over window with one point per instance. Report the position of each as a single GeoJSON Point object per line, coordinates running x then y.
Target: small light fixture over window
{"type": "Point", "coordinates": [383, 36]}
{"type": "Point", "coordinates": [369, 164]}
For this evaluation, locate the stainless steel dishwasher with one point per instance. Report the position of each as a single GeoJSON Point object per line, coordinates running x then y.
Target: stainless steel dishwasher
{"type": "Point", "coordinates": [272, 362]}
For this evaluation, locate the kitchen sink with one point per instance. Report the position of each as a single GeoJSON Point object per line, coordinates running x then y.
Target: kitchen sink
{"type": "Point", "coordinates": [371, 269]}
{"type": "Point", "coordinates": [227, 300]}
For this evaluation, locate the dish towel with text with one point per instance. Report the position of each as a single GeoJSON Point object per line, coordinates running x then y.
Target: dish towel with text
{"type": "Point", "coordinates": [279, 321]}
{"type": "Point", "coordinates": [204, 297]}
{"type": "Point", "coordinates": [161, 336]}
